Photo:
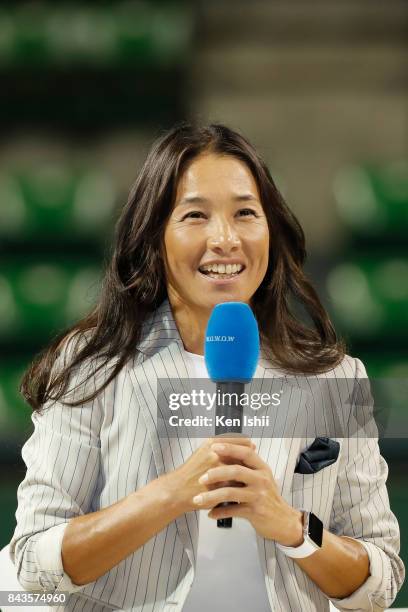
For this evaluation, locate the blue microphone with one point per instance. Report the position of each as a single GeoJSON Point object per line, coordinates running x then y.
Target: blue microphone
{"type": "Point", "coordinates": [231, 353]}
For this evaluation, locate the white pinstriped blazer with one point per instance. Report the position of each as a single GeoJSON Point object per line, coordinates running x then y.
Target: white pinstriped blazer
{"type": "Point", "coordinates": [83, 459]}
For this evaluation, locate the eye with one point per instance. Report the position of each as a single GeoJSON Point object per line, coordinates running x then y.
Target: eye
{"type": "Point", "coordinates": [194, 214]}
{"type": "Point", "coordinates": [198, 214]}
{"type": "Point", "coordinates": [247, 210]}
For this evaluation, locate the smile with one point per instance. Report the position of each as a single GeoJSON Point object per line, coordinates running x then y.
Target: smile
{"type": "Point", "coordinates": [221, 277]}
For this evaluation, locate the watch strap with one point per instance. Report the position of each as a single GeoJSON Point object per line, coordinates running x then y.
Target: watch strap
{"type": "Point", "coordinates": [307, 548]}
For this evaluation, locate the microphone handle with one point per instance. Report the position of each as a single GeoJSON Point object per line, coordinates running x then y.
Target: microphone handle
{"type": "Point", "coordinates": [231, 409]}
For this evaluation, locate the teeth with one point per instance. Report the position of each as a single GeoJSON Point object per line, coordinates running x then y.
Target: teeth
{"type": "Point", "coordinates": [222, 268]}
{"type": "Point", "coordinates": [216, 275]}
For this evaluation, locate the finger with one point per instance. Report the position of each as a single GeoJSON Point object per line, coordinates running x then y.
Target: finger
{"type": "Point", "coordinates": [247, 455]}
{"type": "Point", "coordinates": [244, 441]}
{"type": "Point", "coordinates": [237, 473]}
{"type": "Point", "coordinates": [237, 510]}
{"type": "Point", "coordinates": [212, 498]}
{"type": "Point", "coordinates": [226, 483]}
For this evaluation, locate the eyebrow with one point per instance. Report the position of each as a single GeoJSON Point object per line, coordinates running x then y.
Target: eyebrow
{"type": "Point", "coordinates": [242, 197]}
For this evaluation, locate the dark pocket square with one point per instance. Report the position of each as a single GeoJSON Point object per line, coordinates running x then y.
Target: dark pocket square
{"type": "Point", "coordinates": [321, 453]}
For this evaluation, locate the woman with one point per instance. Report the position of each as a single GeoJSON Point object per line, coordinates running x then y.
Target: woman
{"type": "Point", "coordinates": [108, 508]}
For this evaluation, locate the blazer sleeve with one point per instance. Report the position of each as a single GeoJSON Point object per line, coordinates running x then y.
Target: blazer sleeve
{"type": "Point", "coordinates": [62, 457]}
{"type": "Point", "coordinates": [361, 508]}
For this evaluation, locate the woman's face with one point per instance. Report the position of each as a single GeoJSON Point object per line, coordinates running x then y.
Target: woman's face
{"type": "Point", "coordinates": [217, 221]}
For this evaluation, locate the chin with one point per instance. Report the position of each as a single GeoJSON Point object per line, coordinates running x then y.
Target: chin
{"type": "Point", "coordinates": [227, 298]}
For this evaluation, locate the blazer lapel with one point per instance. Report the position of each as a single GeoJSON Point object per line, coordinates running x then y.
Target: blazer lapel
{"type": "Point", "coordinates": [161, 357]}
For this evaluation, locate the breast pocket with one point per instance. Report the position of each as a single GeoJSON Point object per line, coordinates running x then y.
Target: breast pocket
{"type": "Point", "coordinates": [315, 492]}
{"type": "Point", "coordinates": [306, 481]}
{"type": "Point", "coordinates": [317, 479]}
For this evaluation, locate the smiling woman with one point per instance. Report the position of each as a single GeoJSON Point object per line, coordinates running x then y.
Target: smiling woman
{"type": "Point", "coordinates": [108, 509]}
{"type": "Point", "coordinates": [216, 242]}
{"type": "Point", "coordinates": [203, 197]}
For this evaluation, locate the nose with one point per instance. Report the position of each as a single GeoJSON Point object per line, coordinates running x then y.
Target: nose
{"type": "Point", "coordinates": [223, 237]}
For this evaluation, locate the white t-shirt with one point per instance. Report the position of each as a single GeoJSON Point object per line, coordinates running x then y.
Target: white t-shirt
{"type": "Point", "coordinates": [228, 572]}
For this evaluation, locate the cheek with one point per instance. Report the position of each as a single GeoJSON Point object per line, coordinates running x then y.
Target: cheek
{"type": "Point", "coordinates": [265, 241]}
{"type": "Point", "coordinates": [178, 238]}
{"type": "Point", "coordinates": [170, 254]}
{"type": "Point", "coordinates": [259, 243]}
{"type": "Point", "coordinates": [187, 241]}
{"type": "Point", "coordinates": [181, 246]}
{"type": "Point", "coordinates": [173, 245]}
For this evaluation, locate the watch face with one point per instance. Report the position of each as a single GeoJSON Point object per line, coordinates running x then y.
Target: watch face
{"type": "Point", "coordinates": [315, 529]}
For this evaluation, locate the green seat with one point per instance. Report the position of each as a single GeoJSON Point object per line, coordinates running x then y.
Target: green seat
{"type": "Point", "coordinates": [55, 201]}
{"type": "Point", "coordinates": [45, 296]}
{"type": "Point", "coordinates": [373, 200]}
{"type": "Point", "coordinates": [30, 43]}
{"type": "Point", "coordinates": [369, 297]}
{"type": "Point", "coordinates": [140, 33]}
{"type": "Point", "coordinates": [14, 411]}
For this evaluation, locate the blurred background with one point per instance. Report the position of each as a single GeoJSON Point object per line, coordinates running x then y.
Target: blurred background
{"type": "Point", "coordinates": [321, 89]}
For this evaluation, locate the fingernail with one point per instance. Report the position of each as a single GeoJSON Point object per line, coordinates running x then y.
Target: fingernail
{"type": "Point", "coordinates": [203, 478]}
{"type": "Point", "coordinates": [198, 499]}
{"type": "Point", "coordinates": [218, 447]}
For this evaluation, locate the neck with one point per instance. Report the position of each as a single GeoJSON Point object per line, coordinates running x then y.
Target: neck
{"type": "Point", "coordinates": [191, 323]}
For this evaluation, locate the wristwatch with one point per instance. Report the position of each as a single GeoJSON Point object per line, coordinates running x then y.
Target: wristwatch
{"type": "Point", "coordinates": [312, 537]}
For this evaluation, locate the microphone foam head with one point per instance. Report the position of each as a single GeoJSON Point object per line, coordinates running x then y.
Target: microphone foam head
{"type": "Point", "coordinates": [231, 348]}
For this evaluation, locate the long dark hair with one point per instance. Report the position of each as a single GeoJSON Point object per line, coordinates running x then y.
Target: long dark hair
{"type": "Point", "coordinates": [134, 283]}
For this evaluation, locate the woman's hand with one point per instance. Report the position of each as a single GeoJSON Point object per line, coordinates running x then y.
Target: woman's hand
{"type": "Point", "coordinates": [258, 498]}
{"type": "Point", "coordinates": [184, 481]}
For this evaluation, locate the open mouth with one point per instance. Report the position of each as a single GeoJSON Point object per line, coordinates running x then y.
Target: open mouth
{"type": "Point", "coordinates": [222, 271]}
